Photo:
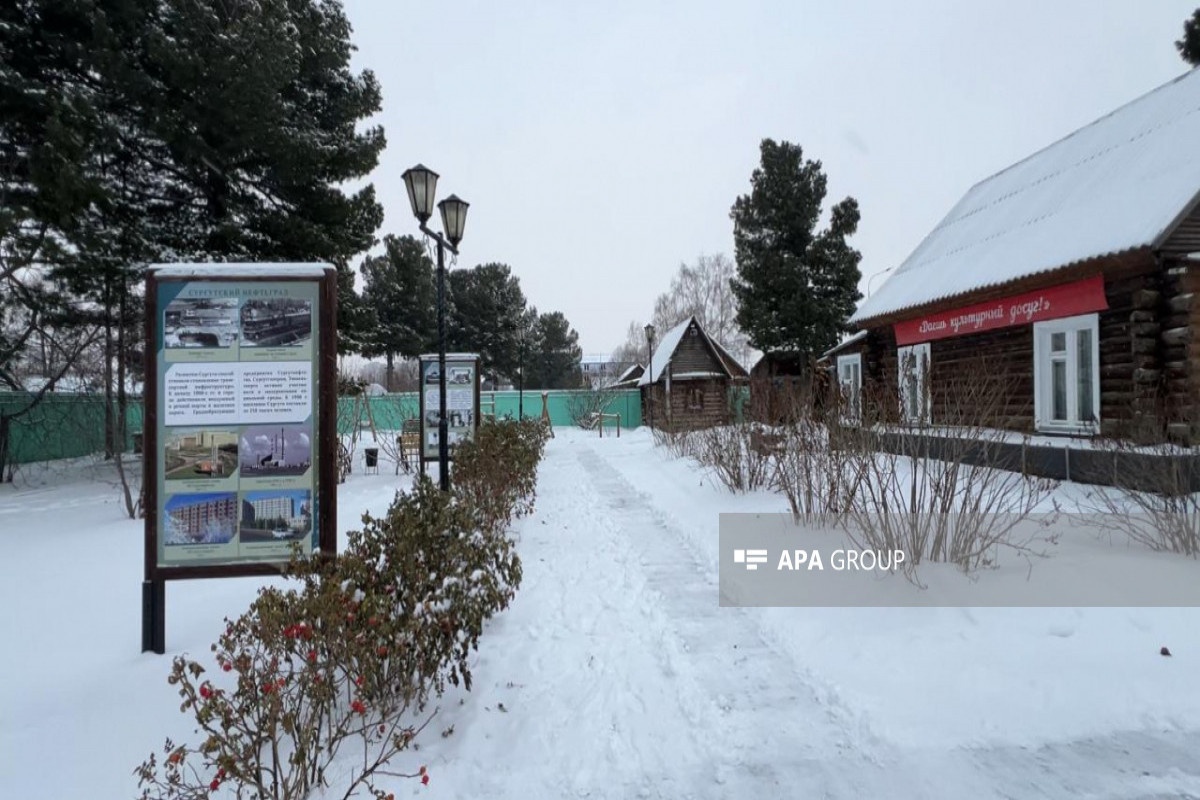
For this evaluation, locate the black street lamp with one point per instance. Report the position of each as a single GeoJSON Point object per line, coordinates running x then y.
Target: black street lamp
{"type": "Point", "coordinates": [421, 183]}
{"type": "Point", "coordinates": [521, 377]}
{"type": "Point", "coordinates": [650, 372]}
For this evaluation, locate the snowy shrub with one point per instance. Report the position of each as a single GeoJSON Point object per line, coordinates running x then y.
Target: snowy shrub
{"type": "Point", "coordinates": [817, 478]}
{"type": "Point", "coordinates": [1153, 500]}
{"type": "Point", "coordinates": [939, 493]}
{"type": "Point", "coordinates": [496, 472]}
{"type": "Point", "coordinates": [681, 443]}
{"type": "Point", "coordinates": [347, 662]}
{"type": "Point", "coordinates": [741, 454]}
{"type": "Point", "coordinates": [299, 681]}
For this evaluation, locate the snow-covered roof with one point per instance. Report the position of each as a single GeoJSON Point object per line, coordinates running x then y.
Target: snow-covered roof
{"type": "Point", "coordinates": [628, 373]}
{"type": "Point", "coordinates": [1118, 184]}
{"type": "Point", "coordinates": [664, 351]}
{"type": "Point", "coordinates": [849, 340]}
{"type": "Point", "coordinates": [240, 270]}
{"type": "Point", "coordinates": [670, 342]}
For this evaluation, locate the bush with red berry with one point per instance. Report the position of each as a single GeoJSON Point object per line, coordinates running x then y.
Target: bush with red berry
{"type": "Point", "coordinates": [349, 658]}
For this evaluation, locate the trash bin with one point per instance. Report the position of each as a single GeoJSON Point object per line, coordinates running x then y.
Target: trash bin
{"type": "Point", "coordinates": [371, 455]}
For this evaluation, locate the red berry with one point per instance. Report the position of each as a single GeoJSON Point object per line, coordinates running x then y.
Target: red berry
{"type": "Point", "coordinates": [312, 655]}
{"type": "Point", "coordinates": [421, 771]}
{"type": "Point", "coordinates": [425, 780]}
{"type": "Point", "coordinates": [216, 783]}
{"type": "Point", "coordinates": [382, 651]}
{"type": "Point", "coordinates": [373, 621]}
{"type": "Point", "coordinates": [227, 666]}
{"type": "Point", "coordinates": [205, 691]}
{"type": "Point", "coordinates": [358, 707]}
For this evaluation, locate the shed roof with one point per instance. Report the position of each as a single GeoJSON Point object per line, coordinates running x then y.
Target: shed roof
{"type": "Point", "coordinates": [1121, 183]}
{"type": "Point", "coordinates": [670, 342]}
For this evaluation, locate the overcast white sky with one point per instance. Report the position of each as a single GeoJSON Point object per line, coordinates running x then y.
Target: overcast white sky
{"type": "Point", "coordinates": [601, 144]}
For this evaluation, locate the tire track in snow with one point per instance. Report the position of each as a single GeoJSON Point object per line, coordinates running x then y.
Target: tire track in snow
{"type": "Point", "coordinates": [765, 730]}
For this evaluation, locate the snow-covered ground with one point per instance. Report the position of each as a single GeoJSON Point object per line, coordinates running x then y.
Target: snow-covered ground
{"type": "Point", "coordinates": [616, 674]}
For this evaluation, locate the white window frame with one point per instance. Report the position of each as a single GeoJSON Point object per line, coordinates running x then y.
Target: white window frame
{"type": "Point", "coordinates": [917, 356]}
{"type": "Point", "coordinates": [1043, 381]}
{"type": "Point", "coordinates": [851, 389]}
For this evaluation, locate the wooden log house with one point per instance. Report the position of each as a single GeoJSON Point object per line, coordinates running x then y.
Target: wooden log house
{"type": "Point", "coordinates": [1064, 284]}
{"type": "Point", "coordinates": [691, 380]}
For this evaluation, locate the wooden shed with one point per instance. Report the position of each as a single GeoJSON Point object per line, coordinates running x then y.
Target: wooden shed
{"type": "Point", "coordinates": [1057, 296]}
{"type": "Point", "coordinates": [689, 380]}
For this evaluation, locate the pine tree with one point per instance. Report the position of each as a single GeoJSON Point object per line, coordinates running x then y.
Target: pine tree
{"type": "Point", "coordinates": [1189, 45]}
{"type": "Point", "coordinates": [486, 317]}
{"type": "Point", "coordinates": [401, 294]}
{"type": "Point", "coordinates": [552, 359]}
{"type": "Point", "coordinates": [795, 286]}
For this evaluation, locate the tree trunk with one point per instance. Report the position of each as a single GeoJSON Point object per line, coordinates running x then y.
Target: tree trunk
{"type": "Point", "coordinates": [5, 422]}
{"type": "Point", "coordinates": [391, 364]}
{"type": "Point", "coordinates": [122, 406]}
{"type": "Point", "coordinates": [108, 372]}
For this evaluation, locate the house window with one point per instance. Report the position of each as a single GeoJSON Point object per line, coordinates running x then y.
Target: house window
{"type": "Point", "coordinates": [850, 384]}
{"type": "Point", "coordinates": [1066, 355]}
{"type": "Point", "coordinates": [914, 383]}
{"type": "Point", "coordinates": [695, 399]}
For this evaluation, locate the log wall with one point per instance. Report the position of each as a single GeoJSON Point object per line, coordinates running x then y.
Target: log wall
{"type": "Point", "coordinates": [1149, 361]}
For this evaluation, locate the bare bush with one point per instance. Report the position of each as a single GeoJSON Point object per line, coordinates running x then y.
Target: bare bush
{"type": "Point", "coordinates": [586, 405]}
{"type": "Point", "coordinates": [681, 443]}
{"type": "Point", "coordinates": [941, 492]}
{"type": "Point", "coordinates": [1154, 500]}
{"type": "Point", "coordinates": [740, 454]}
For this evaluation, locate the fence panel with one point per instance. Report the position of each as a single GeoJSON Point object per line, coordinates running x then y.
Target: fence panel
{"type": "Point", "coordinates": [72, 425]}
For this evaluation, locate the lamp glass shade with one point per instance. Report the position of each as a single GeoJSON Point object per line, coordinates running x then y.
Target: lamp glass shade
{"type": "Point", "coordinates": [649, 333]}
{"type": "Point", "coordinates": [421, 183]}
{"type": "Point", "coordinates": [454, 217]}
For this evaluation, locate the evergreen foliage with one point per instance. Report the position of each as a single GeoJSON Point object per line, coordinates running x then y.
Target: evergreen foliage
{"type": "Point", "coordinates": [795, 286]}
{"type": "Point", "coordinates": [1189, 45]}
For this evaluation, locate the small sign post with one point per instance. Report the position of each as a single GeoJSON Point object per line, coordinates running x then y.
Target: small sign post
{"type": "Point", "coordinates": [462, 402]}
{"type": "Point", "coordinates": [240, 423]}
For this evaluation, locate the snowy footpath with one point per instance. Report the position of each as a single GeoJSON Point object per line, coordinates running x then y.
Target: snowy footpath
{"type": "Point", "coordinates": [615, 674]}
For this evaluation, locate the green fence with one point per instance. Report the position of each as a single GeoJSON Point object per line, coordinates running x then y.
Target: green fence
{"type": "Point", "coordinates": [72, 425]}
{"type": "Point", "coordinates": [389, 411]}
{"type": "Point", "coordinates": [61, 425]}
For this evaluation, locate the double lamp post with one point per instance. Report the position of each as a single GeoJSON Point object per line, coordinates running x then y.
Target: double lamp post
{"type": "Point", "coordinates": [421, 183]}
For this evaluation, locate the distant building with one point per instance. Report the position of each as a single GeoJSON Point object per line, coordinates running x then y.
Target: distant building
{"type": "Point", "coordinates": [599, 369]}
{"type": "Point", "coordinates": [691, 378]}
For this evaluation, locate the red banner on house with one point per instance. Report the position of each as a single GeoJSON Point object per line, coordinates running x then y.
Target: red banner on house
{"type": "Point", "coordinates": [1055, 302]}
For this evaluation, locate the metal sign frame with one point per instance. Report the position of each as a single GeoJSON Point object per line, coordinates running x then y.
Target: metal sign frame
{"type": "Point", "coordinates": [324, 396]}
{"type": "Point", "coordinates": [452, 360]}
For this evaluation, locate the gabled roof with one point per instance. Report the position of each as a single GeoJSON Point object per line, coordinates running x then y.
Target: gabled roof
{"type": "Point", "coordinates": [1121, 183]}
{"type": "Point", "coordinates": [630, 375]}
{"type": "Point", "coordinates": [670, 343]}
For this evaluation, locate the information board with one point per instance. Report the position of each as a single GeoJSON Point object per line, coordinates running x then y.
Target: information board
{"type": "Point", "coordinates": [462, 400]}
{"type": "Point", "coordinates": [240, 403]}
